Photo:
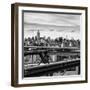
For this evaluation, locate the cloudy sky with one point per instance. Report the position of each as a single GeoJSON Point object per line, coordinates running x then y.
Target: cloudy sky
{"type": "Point", "coordinates": [52, 25]}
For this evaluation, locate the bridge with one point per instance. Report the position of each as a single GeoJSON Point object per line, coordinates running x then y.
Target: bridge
{"type": "Point", "coordinates": [41, 49]}
{"type": "Point", "coordinates": [51, 47]}
{"type": "Point", "coordinates": [43, 69]}
{"type": "Point", "coordinates": [39, 70]}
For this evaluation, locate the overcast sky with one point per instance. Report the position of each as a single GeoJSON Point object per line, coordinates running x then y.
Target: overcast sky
{"type": "Point", "coordinates": [53, 25]}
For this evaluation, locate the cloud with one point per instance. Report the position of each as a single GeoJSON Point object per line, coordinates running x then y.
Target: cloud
{"type": "Point", "coordinates": [53, 25]}
{"type": "Point", "coordinates": [52, 19]}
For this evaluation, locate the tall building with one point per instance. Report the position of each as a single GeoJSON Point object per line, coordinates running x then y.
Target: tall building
{"type": "Point", "coordinates": [38, 35]}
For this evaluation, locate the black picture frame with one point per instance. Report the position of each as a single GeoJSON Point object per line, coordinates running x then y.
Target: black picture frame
{"type": "Point", "coordinates": [15, 40]}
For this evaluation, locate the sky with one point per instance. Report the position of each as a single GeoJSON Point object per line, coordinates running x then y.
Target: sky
{"type": "Point", "coordinates": [52, 25]}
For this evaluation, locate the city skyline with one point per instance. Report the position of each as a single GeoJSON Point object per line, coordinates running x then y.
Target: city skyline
{"type": "Point", "coordinates": [52, 34]}
{"type": "Point", "coordinates": [52, 25]}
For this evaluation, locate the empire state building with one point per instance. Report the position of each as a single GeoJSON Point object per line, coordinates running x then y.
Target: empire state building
{"type": "Point", "coordinates": [38, 37]}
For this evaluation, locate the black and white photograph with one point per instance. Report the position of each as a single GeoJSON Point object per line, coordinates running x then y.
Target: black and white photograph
{"type": "Point", "coordinates": [51, 44]}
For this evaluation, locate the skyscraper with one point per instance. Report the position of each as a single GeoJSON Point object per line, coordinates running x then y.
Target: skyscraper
{"type": "Point", "coordinates": [38, 37]}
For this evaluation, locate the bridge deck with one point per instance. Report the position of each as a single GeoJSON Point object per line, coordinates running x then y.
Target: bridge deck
{"type": "Point", "coordinates": [42, 49]}
{"type": "Point", "coordinates": [51, 47]}
{"type": "Point", "coordinates": [32, 71]}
